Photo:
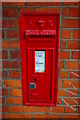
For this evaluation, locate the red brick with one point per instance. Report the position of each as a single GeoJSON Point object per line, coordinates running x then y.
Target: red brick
{"type": "Point", "coordinates": [74, 117]}
{"type": "Point", "coordinates": [74, 74]}
{"type": "Point", "coordinates": [10, 23]}
{"type": "Point", "coordinates": [21, 115]}
{"type": "Point", "coordinates": [70, 110]}
{"type": "Point", "coordinates": [14, 100]}
{"type": "Point", "coordinates": [70, 84]}
{"type": "Point", "coordinates": [4, 92]}
{"type": "Point", "coordinates": [72, 93]}
{"type": "Point", "coordinates": [76, 34]}
{"type": "Point", "coordinates": [59, 101]}
{"type": "Point", "coordinates": [60, 83]}
{"type": "Point", "coordinates": [25, 10]}
{"type": "Point", "coordinates": [75, 55]}
{"type": "Point", "coordinates": [44, 3]}
{"type": "Point", "coordinates": [46, 116]}
{"type": "Point", "coordinates": [65, 34]}
{"type": "Point", "coordinates": [5, 108]}
{"type": "Point", "coordinates": [10, 44]}
{"type": "Point", "coordinates": [12, 34]}
{"type": "Point", "coordinates": [44, 109]}
{"type": "Point", "coordinates": [12, 83]}
{"type": "Point", "coordinates": [71, 3]}
{"type": "Point", "coordinates": [58, 109]}
{"type": "Point", "coordinates": [70, 101]}
{"type": "Point", "coordinates": [64, 12]}
{"type": "Point", "coordinates": [30, 109]}
{"type": "Point", "coordinates": [15, 54]}
{"type": "Point", "coordinates": [61, 92]}
{"type": "Point", "coordinates": [73, 44]}
{"type": "Point", "coordinates": [63, 44]}
{"type": "Point", "coordinates": [4, 74]}
{"type": "Point", "coordinates": [0, 54]}
{"type": "Point", "coordinates": [14, 74]}
{"type": "Point", "coordinates": [47, 9]}
{"type": "Point", "coordinates": [14, 3]}
{"type": "Point", "coordinates": [64, 54]}
{"type": "Point", "coordinates": [9, 64]}
{"type": "Point", "coordinates": [71, 65]}
{"type": "Point", "coordinates": [61, 65]}
{"type": "Point", "coordinates": [10, 12]}
{"type": "Point", "coordinates": [4, 54]}
{"type": "Point", "coordinates": [69, 23]}
{"type": "Point", "coordinates": [15, 92]}
{"type": "Point", "coordinates": [0, 64]}
{"type": "Point", "coordinates": [16, 108]}
{"type": "Point", "coordinates": [73, 12]}
{"type": "Point", "coordinates": [63, 74]}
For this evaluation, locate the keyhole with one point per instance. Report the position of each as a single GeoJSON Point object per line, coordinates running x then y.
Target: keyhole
{"type": "Point", "coordinates": [35, 79]}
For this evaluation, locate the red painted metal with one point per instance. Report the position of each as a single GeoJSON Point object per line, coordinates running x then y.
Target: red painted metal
{"type": "Point", "coordinates": [39, 32]}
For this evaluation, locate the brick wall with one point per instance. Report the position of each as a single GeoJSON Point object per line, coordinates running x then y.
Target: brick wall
{"type": "Point", "coordinates": [68, 83]}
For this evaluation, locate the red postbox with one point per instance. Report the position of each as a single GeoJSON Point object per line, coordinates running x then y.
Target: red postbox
{"type": "Point", "coordinates": [39, 41]}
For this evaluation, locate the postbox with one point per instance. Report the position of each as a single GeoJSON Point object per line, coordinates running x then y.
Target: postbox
{"type": "Point", "coordinates": [39, 45]}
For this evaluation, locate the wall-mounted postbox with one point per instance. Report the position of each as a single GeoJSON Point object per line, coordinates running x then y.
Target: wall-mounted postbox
{"type": "Point", "coordinates": [39, 40]}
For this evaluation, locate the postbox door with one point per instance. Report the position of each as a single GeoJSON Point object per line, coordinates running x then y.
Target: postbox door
{"type": "Point", "coordinates": [39, 74]}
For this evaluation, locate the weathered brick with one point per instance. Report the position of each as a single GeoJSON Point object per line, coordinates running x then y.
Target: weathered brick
{"type": "Point", "coordinates": [61, 65]}
{"type": "Point", "coordinates": [30, 109]}
{"type": "Point", "coordinates": [12, 34]}
{"type": "Point", "coordinates": [58, 109]}
{"type": "Point", "coordinates": [64, 12]}
{"type": "Point", "coordinates": [4, 74]}
{"type": "Point", "coordinates": [12, 83]}
{"type": "Point", "coordinates": [14, 74]}
{"type": "Point", "coordinates": [25, 10]}
{"type": "Point", "coordinates": [63, 74]}
{"type": "Point", "coordinates": [10, 12]}
{"type": "Point", "coordinates": [4, 54]}
{"type": "Point", "coordinates": [69, 23]}
{"type": "Point", "coordinates": [70, 110]}
{"type": "Point", "coordinates": [73, 44]}
{"type": "Point", "coordinates": [65, 34]}
{"type": "Point", "coordinates": [14, 3]}
{"type": "Point", "coordinates": [70, 101]}
{"type": "Point", "coordinates": [44, 3]}
{"type": "Point", "coordinates": [15, 54]}
{"type": "Point", "coordinates": [16, 108]}
{"type": "Point", "coordinates": [75, 55]}
{"type": "Point", "coordinates": [63, 44]}
{"type": "Point", "coordinates": [47, 9]}
{"type": "Point", "coordinates": [76, 34]}
{"type": "Point", "coordinates": [14, 100]}
{"type": "Point", "coordinates": [61, 92]}
{"type": "Point", "coordinates": [64, 54]}
{"type": "Point", "coordinates": [10, 44]}
{"type": "Point", "coordinates": [15, 92]}
{"type": "Point", "coordinates": [72, 93]}
{"type": "Point", "coordinates": [46, 116]}
{"type": "Point", "coordinates": [22, 116]}
{"type": "Point", "coordinates": [73, 12]}
{"type": "Point", "coordinates": [74, 74]}
{"type": "Point", "coordinates": [71, 65]}
{"type": "Point", "coordinates": [4, 92]}
{"type": "Point", "coordinates": [60, 83]}
{"type": "Point", "coordinates": [5, 108]}
{"type": "Point", "coordinates": [10, 64]}
{"type": "Point", "coordinates": [70, 84]}
{"type": "Point", "coordinates": [10, 23]}
{"type": "Point", "coordinates": [44, 109]}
